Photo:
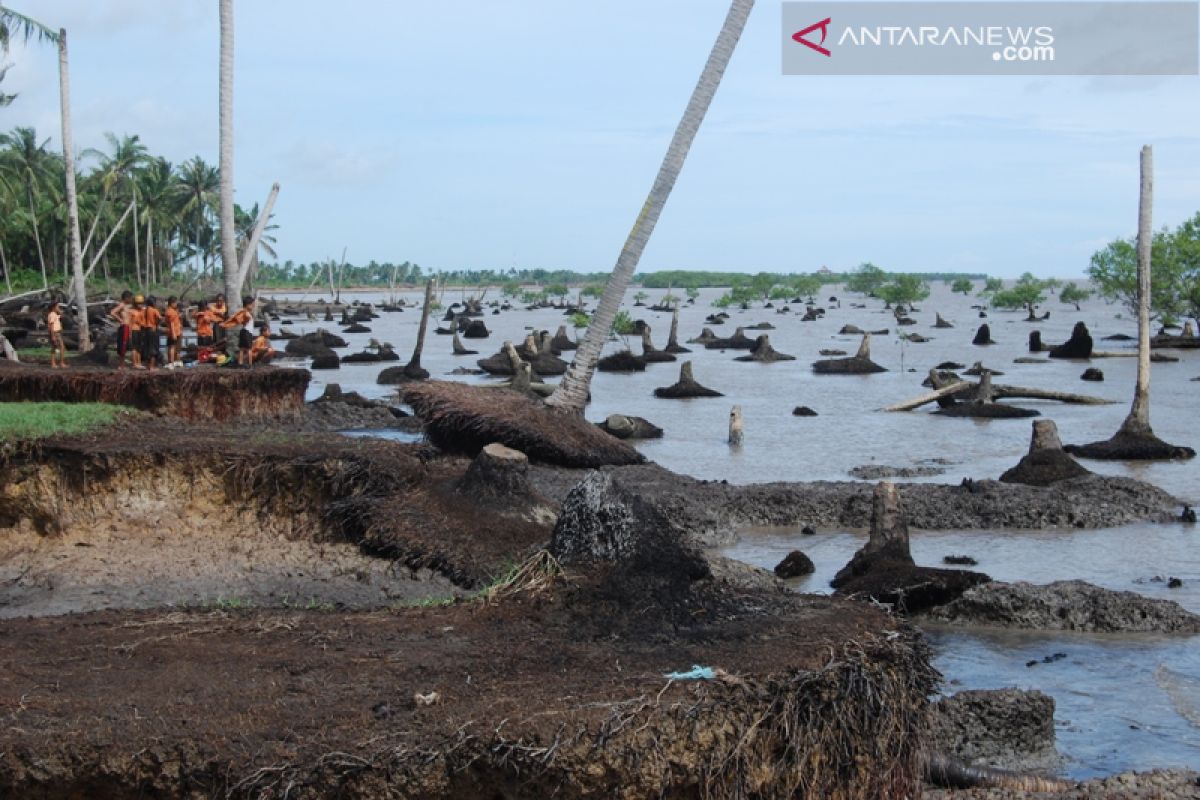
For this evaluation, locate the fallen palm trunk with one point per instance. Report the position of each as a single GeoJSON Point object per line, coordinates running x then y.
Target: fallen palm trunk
{"type": "Point", "coordinates": [950, 773]}
{"type": "Point", "coordinates": [964, 390]}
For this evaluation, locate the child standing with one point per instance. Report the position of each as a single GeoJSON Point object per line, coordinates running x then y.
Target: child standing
{"type": "Point", "coordinates": [174, 330]}
{"type": "Point", "coordinates": [220, 308]}
{"type": "Point", "coordinates": [135, 330]}
{"type": "Point", "coordinates": [243, 319]}
{"type": "Point", "coordinates": [151, 319]}
{"type": "Point", "coordinates": [203, 320]}
{"type": "Point", "coordinates": [121, 313]}
{"type": "Point", "coordinates": [55, 326]}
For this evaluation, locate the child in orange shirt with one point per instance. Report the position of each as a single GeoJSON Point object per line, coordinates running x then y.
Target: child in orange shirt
{"type": "Point", "coordinates": [135, 317]}
{"type": "Point", "coordinates": [174, 330]}
{"type": "Point", "coordinates": [243, 319]}
{"type": "Point", "coordinates": [204, 318]}
{"type": "Point", "coordinates": [55, 326]}
{"type": "Point", "coordinates": [151, 320]}
{"type": "Point", "coordinates": [261, 351]}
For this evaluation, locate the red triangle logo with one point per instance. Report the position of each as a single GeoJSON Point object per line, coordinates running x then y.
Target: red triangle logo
{"type": "Point", "coordinates": [823, 25]}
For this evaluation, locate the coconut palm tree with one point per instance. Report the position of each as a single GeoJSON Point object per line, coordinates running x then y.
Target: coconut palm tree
{"type": "Point", "coordinates": [160, 208]}
{"type": "Point", "coordinates": [198, 187]}
{"type": "Point", "coordinates": [229, 260]}
{"type": "Point", "coordinates": [29, 28]}
{"type": "Point", "coordinates": [29, 162]}
{"type": "Point", "coordinates": [572, 392]}
{"type": "Point", "coordinates": [246, 222]}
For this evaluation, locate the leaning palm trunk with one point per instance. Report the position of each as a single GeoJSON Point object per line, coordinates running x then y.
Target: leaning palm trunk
{"type": "Point", "coordinates": [572, 392]}
{"type": "Point", "coordinates": [229, 259]}
{"type": "Point", "coordinates": [80, 284]}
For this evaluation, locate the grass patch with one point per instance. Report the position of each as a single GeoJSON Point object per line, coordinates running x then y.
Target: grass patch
{"type": "Point", "coordinates": [27, 353]}
{"type": "Point", "coordinates": [38, 420]}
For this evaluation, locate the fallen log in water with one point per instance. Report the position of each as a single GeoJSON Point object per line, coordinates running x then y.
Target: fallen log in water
{"type": "Point", "coordinates": [964, 390]}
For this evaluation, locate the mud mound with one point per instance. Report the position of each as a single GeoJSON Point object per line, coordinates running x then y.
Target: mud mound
{"type": "Point", "coordinates": [463, 419]}
{"type": "Point", "coordinates": [1007, 728]}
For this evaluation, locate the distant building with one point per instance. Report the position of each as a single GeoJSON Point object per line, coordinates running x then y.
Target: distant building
{"type": "Point", "coordinates": [824, 271]}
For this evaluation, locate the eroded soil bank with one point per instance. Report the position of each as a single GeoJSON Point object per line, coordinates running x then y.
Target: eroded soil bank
{"type": "Point", "coordinates": [179, 515]}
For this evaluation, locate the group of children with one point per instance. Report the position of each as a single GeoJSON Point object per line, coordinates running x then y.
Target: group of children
{"type": "Point", "coordinates": [141, 325]}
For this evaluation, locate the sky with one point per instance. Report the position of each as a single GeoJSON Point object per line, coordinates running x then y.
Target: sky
{"type": "Point", "coordinates": [526, 134]}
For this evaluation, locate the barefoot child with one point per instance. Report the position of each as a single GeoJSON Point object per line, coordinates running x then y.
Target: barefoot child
{"type": "Point", "coordinates": [55, 326]}
{"type": "Point", "coordinates": [243, 319]}
{"type": "Point", "coordinates": [135, 330]}
{"type": "Point", "coordinates": [174, 329]}
{"type": "Point", "coordinates": [121, 314]}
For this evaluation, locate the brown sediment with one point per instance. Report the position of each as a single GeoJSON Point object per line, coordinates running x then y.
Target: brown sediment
{"type": "Point", "coordinates": [199, 393]}
{"type": "Point", "coordinates": [464, 419]}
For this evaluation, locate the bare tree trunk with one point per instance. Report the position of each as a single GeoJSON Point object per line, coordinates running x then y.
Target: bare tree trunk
{"type": "Point", "coordinates": [413, 369]}
{"type": "Point", "coordinates": [1138, 421]}
{"type": "Point", "coordinates": [250, 256]}
{"type": "Point", "coordinates": [137, 257]}
{"type": "Point", "coordinates": [229, 259]}
{"type": "Point", "coordinates": [4, 266]}
{"type": "Point", "coordinates": [572, 392]}
{"type": "Point", "coordinates": [37, 237]}
{"type": "Point", "coordinates": [64, 91]}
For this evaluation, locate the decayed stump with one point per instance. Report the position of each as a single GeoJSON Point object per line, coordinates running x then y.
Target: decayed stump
{"type": "Point", "coordinates": [941, 323]}
{"type": "Point", "coordinates": [621, 361]}
{"type": "Point", "coordinates": [1078, 346]}
{"type": "Point", "coordinates": [858, 364]}
{"type": "Point", "coordinates": [737, 431]}
{"type": "Point", "coordinates": [497, 479]}
{"type": "Point", "coordinates": [1035, 342]}
{"type": "Point", "coordinates": [476, 330]}
{"type": "Point", "coordinates": [686, 386]}
{"type": "Point", "coordinates": [459, 350]}
{"type": "Point", "coordinates": [739, 341]}
{"type": "Point", "coordinates": [764, 353]}
{"type": "Point", "coordinates": [984, 405]}
{"type": "Point", "coordinates": [650, 353]}
{"type": "Point", "coordinates": [561, 342]}
{"type": "Point", "coordinates": [673, 345]}
{"type": "Point", "coordinates": [983, 335]}
{"type": "Point", "coordinates": [884, 570]}
{"type": "Point", "coordinates": [1046, 462]}
{"type": "Point", "coordinates": [706, 336]}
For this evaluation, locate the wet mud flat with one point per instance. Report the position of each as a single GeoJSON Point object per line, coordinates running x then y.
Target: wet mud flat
{"type": "Point", "coordinates": [551, 684]}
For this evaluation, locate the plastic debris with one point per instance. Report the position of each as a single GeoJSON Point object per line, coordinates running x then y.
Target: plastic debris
{"type": "Point", "coordinates": [696, 673]}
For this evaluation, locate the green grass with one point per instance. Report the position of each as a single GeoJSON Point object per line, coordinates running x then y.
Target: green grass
{"type": "Point", "coordinates": [38, 420]}
{"type": "Point", "coordinates": [27, 353]}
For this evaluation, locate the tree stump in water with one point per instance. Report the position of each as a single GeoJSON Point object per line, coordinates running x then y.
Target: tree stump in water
{"type": "Point", "coordinates": [858, 364]}
{"type": "Point", "coordinates": [476, 330]}
{"type": "Point", "coordinates": [1092, 374]}
{"type": "Point", "coordinates": [739, 341]}
{"type": "Point", "coordinates": [673, 345]}
{"type": "Point", "coordinates": [1046, 462]}
{"type": "Point", "coordinates": [941, 323]}
{"type": "Point", "coordinates": [736, 426]}
{"type": "Point", "coordinates": [459, 350]}
{"type": "Point", "coordinates": [706, 336]}
{"type": "Point", "coordinates": [764, 353]}
{"type": "Point", "coordinates": [686, 386]}
{"type": "Point", "coordinates": [1078, 346]}
{"type": "Point", "coordinates": [884, 570]}
{"type": "Point", "coordinates": [650, 353]}
{"type": "Point", "coordinates": [983, 335]}
{"type": "Point", "coordinates": [621, 361]}
{"type": "Point", "coordinates": [561, 342]}
{"type": "Point", "coordinates": [1035, 342]}
{"type": "Point", "coordinates": [984, 405]}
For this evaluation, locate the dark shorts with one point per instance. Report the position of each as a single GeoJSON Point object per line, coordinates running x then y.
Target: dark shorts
{"type": "Point", "coordinates": [173, 341]}
{"type": "Point", "coordinates": [245, 339]}
{"type": "Point", "coordinates": [56, 340]}
{"type": "Point", "coordinates": [149, 344]}
{"type": "Point", "coordinates": [124, 339]}
{"type": "Point", "coordinates": [135, 340]}
{"type": "Point", "coordinates": [218, 334]}
{"type": "Point", "coordinates": [204, 341]}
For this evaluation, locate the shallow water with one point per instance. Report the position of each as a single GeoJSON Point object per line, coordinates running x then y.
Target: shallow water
{"type": "Point", "coordinates": [1107, 684]}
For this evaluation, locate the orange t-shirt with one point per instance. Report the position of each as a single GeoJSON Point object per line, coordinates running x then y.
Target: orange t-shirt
{"type": "Point", "coordinates": [151, 317]}
{"type": "Point", "coordinates": [242, 317]}
{"type": "Point", "coordinates": [136, 317]}
{"type": "Point", "coordinates": [54, 322]}
{"type": "Point", "coordinates": [204, 322]}
{"type": "Point", "coordinates": [174, 323]}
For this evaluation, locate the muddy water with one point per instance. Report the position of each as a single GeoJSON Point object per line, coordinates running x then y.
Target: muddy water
{"type": "Point", "coordinates": [1122, 702]}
